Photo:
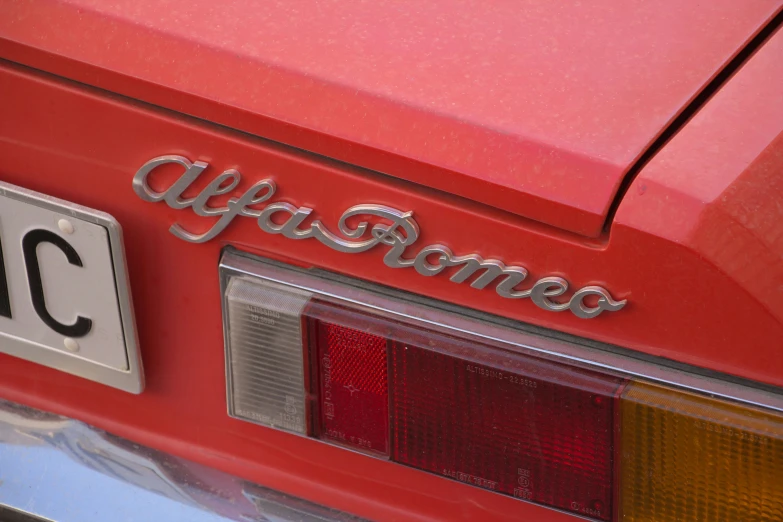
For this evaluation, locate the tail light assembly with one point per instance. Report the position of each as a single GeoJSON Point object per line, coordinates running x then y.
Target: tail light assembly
{"type": "Point", "coordinates": [564, 423]}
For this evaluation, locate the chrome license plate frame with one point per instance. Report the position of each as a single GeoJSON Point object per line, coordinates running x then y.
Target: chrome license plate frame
{"type": "Point", "coordinates": [65, 299]}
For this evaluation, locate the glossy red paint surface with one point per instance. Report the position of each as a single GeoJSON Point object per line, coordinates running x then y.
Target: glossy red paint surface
{"type": "Point", "coordinates": [696, 246]}
{"type": "Point", "coordinates": [685, 301]}
{"type": "Point", "coordinates": [714, 194]}
{"type": "Point", "coordinates": [537, 108]}
{"type": "Point", "coordinates": [47, 143]}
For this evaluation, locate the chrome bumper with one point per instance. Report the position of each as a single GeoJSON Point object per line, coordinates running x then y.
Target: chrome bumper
{"type": "Point", "coordinates": [62, 470]}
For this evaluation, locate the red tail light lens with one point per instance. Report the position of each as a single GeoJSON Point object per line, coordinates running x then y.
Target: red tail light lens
{"type": "Point", "coordinates": [515, 424]}
{"type": "Point", "coordinates": [520, 426]}
{"type": "Point", "coordinates": [351, 369]}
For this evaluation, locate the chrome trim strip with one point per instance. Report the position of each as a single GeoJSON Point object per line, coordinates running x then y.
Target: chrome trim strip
{"type": "Point", "coordinates": [63, 470]}
{"type": "Point", "coordinates": [514, 336]}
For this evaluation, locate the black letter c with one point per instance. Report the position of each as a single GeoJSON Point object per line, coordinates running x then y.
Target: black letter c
{"type": "Point", "coordinates": [30, 243]}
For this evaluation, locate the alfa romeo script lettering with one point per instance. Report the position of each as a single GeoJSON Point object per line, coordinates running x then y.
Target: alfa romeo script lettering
{"type": "Point", "coordinates": [396, 230]}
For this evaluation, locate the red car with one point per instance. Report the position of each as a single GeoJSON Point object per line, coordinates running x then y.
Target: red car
{"type": "Point", "coordinates": [318, 260]}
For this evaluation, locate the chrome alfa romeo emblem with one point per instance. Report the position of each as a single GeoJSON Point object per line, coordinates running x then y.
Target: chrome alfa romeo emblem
{"type": "Point", "coordinates": [394, 229]}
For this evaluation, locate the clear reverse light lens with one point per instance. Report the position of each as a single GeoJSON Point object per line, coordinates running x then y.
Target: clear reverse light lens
{"type": "Point", "coordinates": [265, 354]}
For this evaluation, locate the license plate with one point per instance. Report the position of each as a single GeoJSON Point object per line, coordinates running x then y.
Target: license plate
{"type": "Point", "coordinates": [64, 295]}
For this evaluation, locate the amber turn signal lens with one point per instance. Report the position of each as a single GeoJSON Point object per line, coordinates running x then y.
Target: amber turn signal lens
{"type": "Point", "coordinates": [691, 458]}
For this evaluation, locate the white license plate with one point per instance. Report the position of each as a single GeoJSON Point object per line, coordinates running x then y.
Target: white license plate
{"type": "Point", "coordinates": [64, 296]}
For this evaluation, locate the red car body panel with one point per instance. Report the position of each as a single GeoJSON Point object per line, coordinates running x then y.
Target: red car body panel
{"type": "Point", "coordinates": [695, 245]}
{"type": "Point", "coordinates": [721, 180]}
{"type": "Point", "coordinates": [532, 108]}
